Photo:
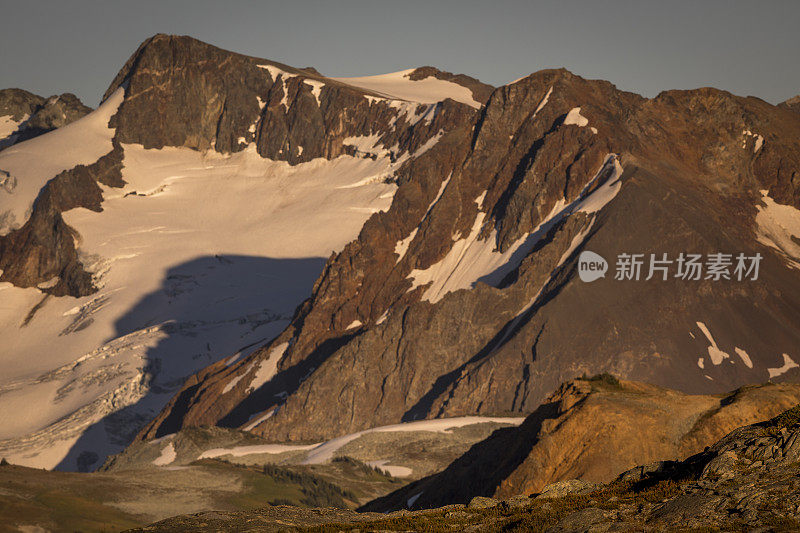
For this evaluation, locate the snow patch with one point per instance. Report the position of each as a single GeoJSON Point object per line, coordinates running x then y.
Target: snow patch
{"type": "Point", "coordinates": [574, 117]}
{"type": "Point", "coordinates": [232, 383]}
{"type": "Point", "coordinates": [413, 499]}
{"type": "Point", "coordinates": [8, 126]}
{"type": "Point", "coordinates": [49, 284]}
{"type": "Point", "coordinates": [744, 356]}
{"type": "Point", "coordinates": [354, 324]}
{"type": "Point", "coordinates": [168, 455]}
{"type": "Point", "coordinates": [544, 101]}
{"type": "Point", "coordinates": [241, 451]}
{"type": "Point", "coordinates": [788, 364]}
{"type": "Point", "coordinates": [397, 85]}
{"type": "Point", "coordinates": [606, 192]}
{"type": "Point", "coordinates": [268, 367]}
{"type": "Point", "coordinates": [316, 88]}
{"type": "Point", "coordinates": [259, 419]}
{"type": "Point", "coordinates": [383, 317]}
{"type": "Point", "coordinates": [759, 140]}
{"type": "Point", "coordinates": [392, 470]}
{"type": "Point", "coordinates": [471, 259]}
{"type": "Point", "coordinates": [401, 247]}
{"type": "Point", "coordinates": [325, 451]}
{"type": "Point", "coordinates": [716, 355]}
{"type": "Point", "coordinates": [274, 72]}
{"type": "Point", "coordinates": [777, 226]}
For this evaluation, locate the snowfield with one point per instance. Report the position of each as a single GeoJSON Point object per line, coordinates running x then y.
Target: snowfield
{"type": "Point", "coordinates": [398, 86]}
{"type": "Point", "coordinates": [778, 226]}
{"type": "Point", "coordinates": [201, 256]}
{"type": "Point", "coordinates": [7, 128]}
{"type": "Point", "coordinates": [33, 163]}
{"type": "Point", "coordinates": [325, 451]}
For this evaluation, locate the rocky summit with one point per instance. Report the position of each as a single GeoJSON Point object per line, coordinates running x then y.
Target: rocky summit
{"type": "Point", "coordinates": [24, 115]}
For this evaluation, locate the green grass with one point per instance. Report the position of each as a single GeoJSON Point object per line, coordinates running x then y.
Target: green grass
{"type": "Point", "coordinates": [63, 505]}
{"type": "Point", "coordinates": [276, 485]}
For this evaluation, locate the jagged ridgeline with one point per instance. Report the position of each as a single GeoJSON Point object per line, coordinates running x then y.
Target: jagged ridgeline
{"type": "Point", "coordinates": [462, 298]}
{"type": "Point", "coordinates": [326, 255]}
{"type": "Point", "coordinates": [182, 222]}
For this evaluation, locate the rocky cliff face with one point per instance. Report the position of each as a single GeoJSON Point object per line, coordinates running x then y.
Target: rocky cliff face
{"type": "Point", "coordinates": [24, 115]}
{"type": "Point", "coordinates": [463, 298]}
{"type": "Point", "coordinates": [224, 101]}
{"type": "Point", "coordinates": [593, 430]}
{"type": "Point", "coordinates": [181, 223]}
{"type": "Point", "coordinates": [180, 92]}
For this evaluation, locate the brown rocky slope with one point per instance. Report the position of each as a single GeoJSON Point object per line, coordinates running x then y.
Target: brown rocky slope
{"type": "Point", "coordinates": [592, 430]}
{"type": "Point", "coordinates": [463, 298]}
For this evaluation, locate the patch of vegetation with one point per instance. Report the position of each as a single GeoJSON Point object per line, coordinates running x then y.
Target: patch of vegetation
{"type": "Point", "coordinates": [316, 491]}
{"type": "Point", "coordinates": [59, 509]}
{"type": "Point", "coordinates": [278, 485]}
{"type": "Point", "coordinates": [362, 468]}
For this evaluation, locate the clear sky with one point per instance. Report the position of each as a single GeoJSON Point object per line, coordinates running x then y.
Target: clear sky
{"type": "Point", "coordinates": [747, 47]}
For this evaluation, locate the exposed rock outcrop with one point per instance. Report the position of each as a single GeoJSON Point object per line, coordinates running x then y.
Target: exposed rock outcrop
{"type": "Point", "coordinates": [792, 103]}
{"type": "Point", "coordinates": [24, 115]}
{"type": "Point", "coordinates": [593, 430]}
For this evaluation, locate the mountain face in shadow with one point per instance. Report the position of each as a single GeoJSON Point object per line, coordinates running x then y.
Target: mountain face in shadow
{"type": "Point", "coordinates": [220, 304]}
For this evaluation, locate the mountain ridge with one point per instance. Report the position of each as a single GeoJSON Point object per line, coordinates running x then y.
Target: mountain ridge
{"type": "Point", "coordinates": [452, 231]}
{"type": "Point", "coordinates": [545, 141]}
{"type": "Point", "coordinates": [24, 115]}
{"type": "Point", "coordinates": [267, 176]}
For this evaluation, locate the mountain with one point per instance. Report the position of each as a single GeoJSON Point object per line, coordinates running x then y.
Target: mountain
{"type": "Point", "coordinates": [463, 298]}
{"type": "Point", "coordinates": [592, 430]}
{"type": "Point", "coordinates": [745, 481]}
{"type": "Point", "coordinates": [24, 115]}
{"type": "Point", "coordinates": [230, 241]}
{"type": "Point", "coordinates": [181, 223]}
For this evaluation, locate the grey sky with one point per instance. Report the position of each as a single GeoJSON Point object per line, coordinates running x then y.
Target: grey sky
{"type": "Point", "coordinates": [747, 47]}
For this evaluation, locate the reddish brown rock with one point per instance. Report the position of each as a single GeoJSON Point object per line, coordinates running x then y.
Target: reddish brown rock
{"type": "Point", "coordinates": [691, 184]}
